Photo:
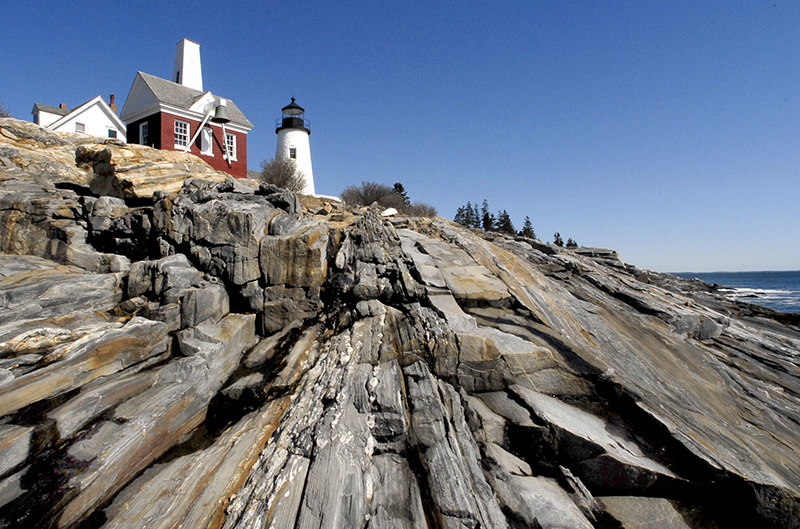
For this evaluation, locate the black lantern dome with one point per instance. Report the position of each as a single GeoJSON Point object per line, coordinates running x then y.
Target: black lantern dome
{"type": "Point", "coordinates": [292, 117]}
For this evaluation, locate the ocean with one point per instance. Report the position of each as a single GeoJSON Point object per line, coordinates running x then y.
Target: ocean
{"type": "Point", "coordinates": [776, 290]}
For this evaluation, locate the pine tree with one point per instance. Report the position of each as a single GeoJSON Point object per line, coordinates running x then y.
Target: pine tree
{"type": "Point", "coordinates": [461, 216]}
{"type": "Point", "coordinates": [527, 229]}
{"type": "Point", "coordinates": [557, 240]}
{"type": "Point", "coordinates": [487, 219]}
{"type": "Point", "coordinates": [469, 216]}
{"type": "Point", "coordinates": [476, 216]}
{"type": "Point", "coordinates": [571, 244]}
{"type": "Point", "coordinates": [400, 190]}
{"type": "Point", "coordinates": [504, 224]}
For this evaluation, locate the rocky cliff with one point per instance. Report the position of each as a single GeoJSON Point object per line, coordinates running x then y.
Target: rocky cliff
{"type": "Point", "coordinates": [179, 349]}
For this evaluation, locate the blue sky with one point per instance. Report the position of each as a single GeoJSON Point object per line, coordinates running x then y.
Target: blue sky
{"type": "Point", "coordinates": [667, 130]}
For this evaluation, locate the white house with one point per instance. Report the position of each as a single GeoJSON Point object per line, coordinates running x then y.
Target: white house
{"type": "Point", "coordinates": [95, 117]}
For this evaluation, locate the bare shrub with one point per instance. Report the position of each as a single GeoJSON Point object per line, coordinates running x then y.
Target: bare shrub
{"type": "Point", "coordinates": [369, 193]}
{"type": "Point", "coordinates": [421, 209]}
{"type": "Point", "coordinates": [4, 112]}
{"type": "Point", "coordinates": [283, 172]}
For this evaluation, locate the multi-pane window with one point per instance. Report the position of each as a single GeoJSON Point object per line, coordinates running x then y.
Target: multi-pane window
{"type": "Point", "coordinates": [143, 133]}
{"type": "Point", "coordinates": [181, 133]}
{"type": "Point", "coordinates": [79, 127]}
{"type": "Point", "coordinates": [230, 145]}
{"type": "Point", "coordinates": [293, 153]}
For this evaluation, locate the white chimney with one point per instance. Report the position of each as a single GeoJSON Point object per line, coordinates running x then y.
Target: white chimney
{"type": "Point", "coordinates": [188, 71]}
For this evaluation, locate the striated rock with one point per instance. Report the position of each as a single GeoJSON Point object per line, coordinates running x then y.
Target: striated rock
{"type": "Point", "coordinates": [298, 260]}
{"type": "Point", "coordinates": [34, 288]}
{"type": "Point", "coordinates": [639, 512]}
{"type": "Point", "coordinates": [195, 489]}
{"type": "Point", "coordinates": [95, 399]}
{"type": "Point", "coordinates": [222, 355]}
{"type": "Point", "coordinates": [150, 423]}
{"type": "Point", "coordinates": [458, 487]}
{"type": "Point", "coordinates": [73, 365]}
{"type": "Point", "coordinates": [602, 458]}
{"type": "Point", "coordinates": [14, 444]}
{"type": "Point", "coordinates": [39, 156]}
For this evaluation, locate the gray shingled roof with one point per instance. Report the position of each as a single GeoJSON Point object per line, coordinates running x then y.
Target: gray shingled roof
{"type": "Point", "coordinates": [184, 97]}
{"type": "Point", "coordinates": [52, 110]}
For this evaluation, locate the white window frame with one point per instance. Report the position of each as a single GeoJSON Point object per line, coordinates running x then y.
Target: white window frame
{"type": "Point", "coordinates": [181, 136]}
{"type": "Point", "coordinates": [230, 145]}
{"type": "Point", "coordinates": [112, 133]}
{"type": "Point", "coordinates": [207, 142]}
{"type": "Point", "coordinates": [80, 127]}
{"type": "Point", "coordinates": [293, 153]}
{"type": "Point", "coordinates": [144, 133]}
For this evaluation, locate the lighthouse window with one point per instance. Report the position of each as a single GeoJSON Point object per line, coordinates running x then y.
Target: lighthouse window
{"type": "Point", "coordinates": [230, 145]}
{"type": "Point", "coordinates": [181, 133]}
{"type": "Point", "coordinates": [293, 153]}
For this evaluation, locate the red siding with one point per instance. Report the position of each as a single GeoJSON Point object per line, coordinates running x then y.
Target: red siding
{"type": "Point", "coordinates": [237, 168]}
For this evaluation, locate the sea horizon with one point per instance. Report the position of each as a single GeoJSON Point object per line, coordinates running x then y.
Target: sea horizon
{"type": "Point", "coordinates": [731, 272]}
{"type": "Point", "coordinates": [776, 289]}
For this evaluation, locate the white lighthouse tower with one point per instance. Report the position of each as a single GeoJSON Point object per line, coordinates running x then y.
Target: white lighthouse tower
{"type": "Point", "coordinates": [293, 131]}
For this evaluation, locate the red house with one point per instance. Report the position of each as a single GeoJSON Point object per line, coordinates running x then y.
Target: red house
{"type": "Point", "coordinates": [178, 115]}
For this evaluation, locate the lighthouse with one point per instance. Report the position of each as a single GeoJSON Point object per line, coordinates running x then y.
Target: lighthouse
{"type": "Point", "coordinates": [293, 131]}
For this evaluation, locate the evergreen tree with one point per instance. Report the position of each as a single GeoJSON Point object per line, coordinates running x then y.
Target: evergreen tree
{"type": "Point", "coordinates": [469, 215]}
{"type": "Point", "coordinates": [487, 219]}
{"type": "Point", "coordinates": [527, 229]}
{"type": "Point", "coordinates": [461, 216]}
{"type": "Point", "coordinates": [571, 244]}
{"type": "Point", "coordinates": [400, 190]}
{"type": "Point", "coordinates": [504, 224]}
{"type": "Point", "coordinates": [475, 215]}
{"type": "Point", "coordinates": [557, 240]}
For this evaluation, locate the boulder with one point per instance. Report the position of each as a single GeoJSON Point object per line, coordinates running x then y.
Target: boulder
{"type": "Point", "coordinates": [137, 171]}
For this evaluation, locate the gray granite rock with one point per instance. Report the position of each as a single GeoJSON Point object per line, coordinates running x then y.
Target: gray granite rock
{"type": "Point", "coordinates": [233, 355]}
{"type": "Point", "coordinates": [38, 288]}
{"type": "Point", "coordinates": [75, 364]}
{"type": "Point", "coordinates": [15, 443]}
{"type": "Point", "coordinates": [641, 512]}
